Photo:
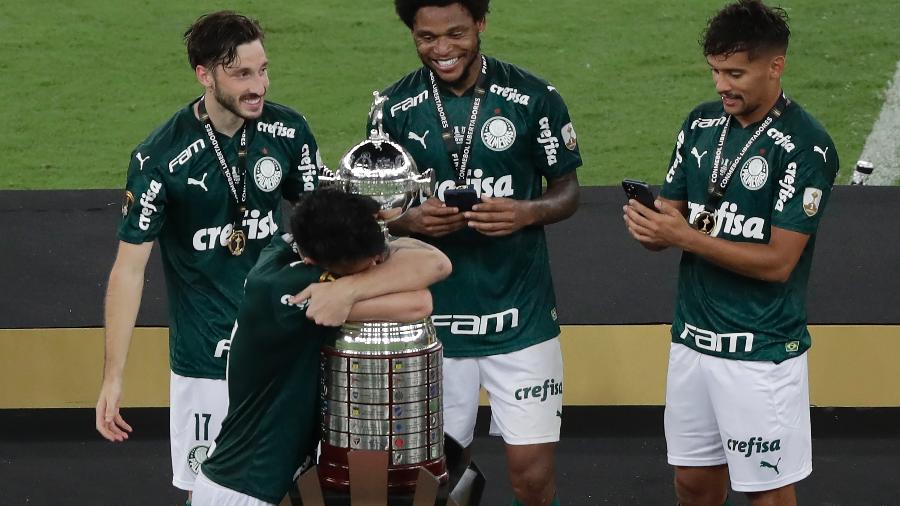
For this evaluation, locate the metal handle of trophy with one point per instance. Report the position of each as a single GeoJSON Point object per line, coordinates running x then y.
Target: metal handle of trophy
{"type": "Point", "coordinates": [425, 183]}
{"type": "Point", "coordinates": [329, 182]}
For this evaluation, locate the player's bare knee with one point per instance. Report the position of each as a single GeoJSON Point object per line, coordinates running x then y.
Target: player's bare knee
{"type": "Point", "coordinates": [694, 489]}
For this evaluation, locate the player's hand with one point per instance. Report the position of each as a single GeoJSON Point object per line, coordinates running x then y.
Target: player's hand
{"type": "Point", "coordinates": [434, 219]}
{"type": "Point", "coordinates": [499, 216]}
{"type": "Point", "coordinates": [109, 422]}
{"type": "Point", "coordinates": [328, 304]}
{"type": "Point", "coordinates": [655, 230]}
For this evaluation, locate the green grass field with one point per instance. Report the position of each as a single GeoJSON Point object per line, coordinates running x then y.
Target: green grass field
{"type": "Point", "coordinates": [85, 80]}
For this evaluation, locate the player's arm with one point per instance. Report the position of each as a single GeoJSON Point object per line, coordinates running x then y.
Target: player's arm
{"type": "Point", "coordinates": [502, 216]}
{"type": "Point", "coordinates": [771, 262]}
{"type": "Point", "coordinates": [395, 307]}
{"type": "Point", "coordinates": [412, 265]}
{"type": "Point", "coordinates": [123, 299]}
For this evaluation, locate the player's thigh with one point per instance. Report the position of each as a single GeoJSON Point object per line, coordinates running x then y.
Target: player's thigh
{"type": "Point", "coordinates": [526, 390]}
{"type": "Point", "coordinates": [462, 385]}
{"type": "Point", "coordinates": [763, 413]}
{"type": "Point", "coordinates": [208, 493]}
{"type": "Point", "coordinates": [197, 407]}
{"type": "Point", "coordinates": [692, 432]}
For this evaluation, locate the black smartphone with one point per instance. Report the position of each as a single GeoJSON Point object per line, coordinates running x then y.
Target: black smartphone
{"type": "Point", "coordinates": [640, 191]}
{"type": "Point", "coordinates": [461, 198]}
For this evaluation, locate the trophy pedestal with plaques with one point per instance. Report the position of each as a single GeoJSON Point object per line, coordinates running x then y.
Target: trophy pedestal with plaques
{"type": "Point", "coordinates": [382, 391]}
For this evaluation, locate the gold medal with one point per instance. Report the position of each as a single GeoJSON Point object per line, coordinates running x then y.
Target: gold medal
{"type": "Point", "coordinates": [236, 242]}
{"type": "Point", "coordinates": [705, 222]}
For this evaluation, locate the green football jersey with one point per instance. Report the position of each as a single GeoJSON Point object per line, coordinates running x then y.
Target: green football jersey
{"type": "Point", "coordinates": [273, 381]}
{"type": "Point", "coordinates": [176, 193]}
{"type": "Point", "coordinates": [500, 296]}
{"type": "Point", "coordinates": [784, 180]}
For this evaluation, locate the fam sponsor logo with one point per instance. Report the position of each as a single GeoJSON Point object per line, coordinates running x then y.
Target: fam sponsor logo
{"type": "Point", "coordinates": [755, 173]}
{"type": "Point", "coordinates": [510, 94]}
{"type": "Point", "coordinates": [307, 168]}
{"type": "Point", "coordinates": [498, 133]}
{"type": "Point", "coordinates": [755, 445]}
{"type": "Point", "coordinates": [781, 139]}
{"type": "Point", "coordinates": [408, 103]}
{"type": "Point", "coordinates": [487, 186]}
{"type": "Point", "coordinates": [786, 189]}
{"type": "Point", "coordinates": [730, 221]}
{"type": "Point", "coordinates": [147, 205]}
{"type": "Point", "coordinates": [257, 225]}
{"type": "Point", "coordinates": [186, 155]}
{"type": "Point", "coordinates": [286, 300]}
{"type": "Point", "coordinates": [277, 129]}
{"type": "Point", "coordinates": [708, 122]}
{"type": "Point", "coordinates": [548, 141]}
{"type": "Point", "coordinates": [712, 341]}
{"type": "Point", "coordinates": [267, 173]}
{"type": "Point", "coordinates": [679, 143]}
{"type": "Point", "coordinates": [465, 324]}
{"type": "Point", "coordinates": [549, 388]}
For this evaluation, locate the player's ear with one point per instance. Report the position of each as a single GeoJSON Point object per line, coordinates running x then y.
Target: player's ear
{"type": "Point", "coordinates": [776, 66]}
{"type": "Point", "coordinates": [204, 76]}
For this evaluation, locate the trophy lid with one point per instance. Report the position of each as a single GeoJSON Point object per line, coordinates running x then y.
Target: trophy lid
{"type": "Point", "coordinates": [382, 169]}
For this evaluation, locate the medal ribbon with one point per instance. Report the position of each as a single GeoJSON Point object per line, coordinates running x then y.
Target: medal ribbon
{"type": "Point", "coordinates": [460, 163]}
{"type": "Point", "coordinates": [716, 188]}
{"type": "Point", "coordinates": [234, 176]}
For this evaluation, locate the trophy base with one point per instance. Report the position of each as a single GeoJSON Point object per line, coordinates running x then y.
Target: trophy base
{"type": "Point", "coordinates": [334, 471]}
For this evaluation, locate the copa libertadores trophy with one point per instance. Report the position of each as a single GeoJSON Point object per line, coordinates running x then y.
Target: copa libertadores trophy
{"type": "Point", "coordinates": [381, 381]}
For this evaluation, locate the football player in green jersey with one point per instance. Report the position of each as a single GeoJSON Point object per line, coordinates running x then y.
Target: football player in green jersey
{"type": "Point", "coordinates": [208, 184]}
{"type": "Point", "coordinates": [273, 366]}
{"type": "Point", "coordinates": [493, 132]}
{"type": "Point", "coordinates": [747, 184]}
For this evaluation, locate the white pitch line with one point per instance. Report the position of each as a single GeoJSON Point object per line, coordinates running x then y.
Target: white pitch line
{"type": "Point", "coordinates": [883, 144]}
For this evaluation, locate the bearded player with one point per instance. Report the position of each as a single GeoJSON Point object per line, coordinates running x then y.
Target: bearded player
{"type": "Point", "coordinates": [208, 186]}
{"type": "Point", "coordinates": [493, 133]}
{"type": "Point", "coordinates": [748, 182]}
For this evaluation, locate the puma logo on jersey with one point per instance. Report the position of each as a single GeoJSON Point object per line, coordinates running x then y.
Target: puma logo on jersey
{"type": "Point", "coordinates": [409, 103]}
{"type": "Point", "coordinates": [186, 155]}
{"type": "Point", "coordinates": [817, 149]}
{"type": "Point", "coordinates": [415, 137]}
{"type": "Point", "coordinates": [697, 155]}
{"type": "Point", "coordinates": [551, 88]}
{"type": "Point", "coordinates": [141, 160]}
{"type": "Point", "coordinates": [201, 183]}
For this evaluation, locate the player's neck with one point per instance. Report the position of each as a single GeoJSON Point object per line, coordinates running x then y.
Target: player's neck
{"type": "Point", "coordinates": [223, 120]}
{"type": "Point", "coordinates": [762, 111]}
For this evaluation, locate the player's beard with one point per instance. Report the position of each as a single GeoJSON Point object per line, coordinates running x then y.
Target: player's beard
{"type": "Point", "coordinates": [231, 103]}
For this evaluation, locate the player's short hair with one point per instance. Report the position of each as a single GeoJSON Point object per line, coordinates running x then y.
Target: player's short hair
{"type": "Point", "coordinates": [336, 228]}
{"type": "Point", "coordinates": [746, 25]}
{"type": "Point", "coordinates": [213, 39]}
{"type": "Point", "coordinates": [407, 9]}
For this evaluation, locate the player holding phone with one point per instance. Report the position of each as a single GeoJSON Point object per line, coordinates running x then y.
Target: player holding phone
{"type": "Point", "coordinates": [747, 184]}
{"type": "Point", "coordinates": [499, 131]}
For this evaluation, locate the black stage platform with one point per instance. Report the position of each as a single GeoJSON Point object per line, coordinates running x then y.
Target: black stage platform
{"type": "Point", "coordinates": [607, 456]}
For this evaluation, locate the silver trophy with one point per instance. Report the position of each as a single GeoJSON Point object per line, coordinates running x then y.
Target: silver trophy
{"type": "Point", "coordinates": [382, 169]}
{"type": "Point", "coordinates": [381, 381]}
